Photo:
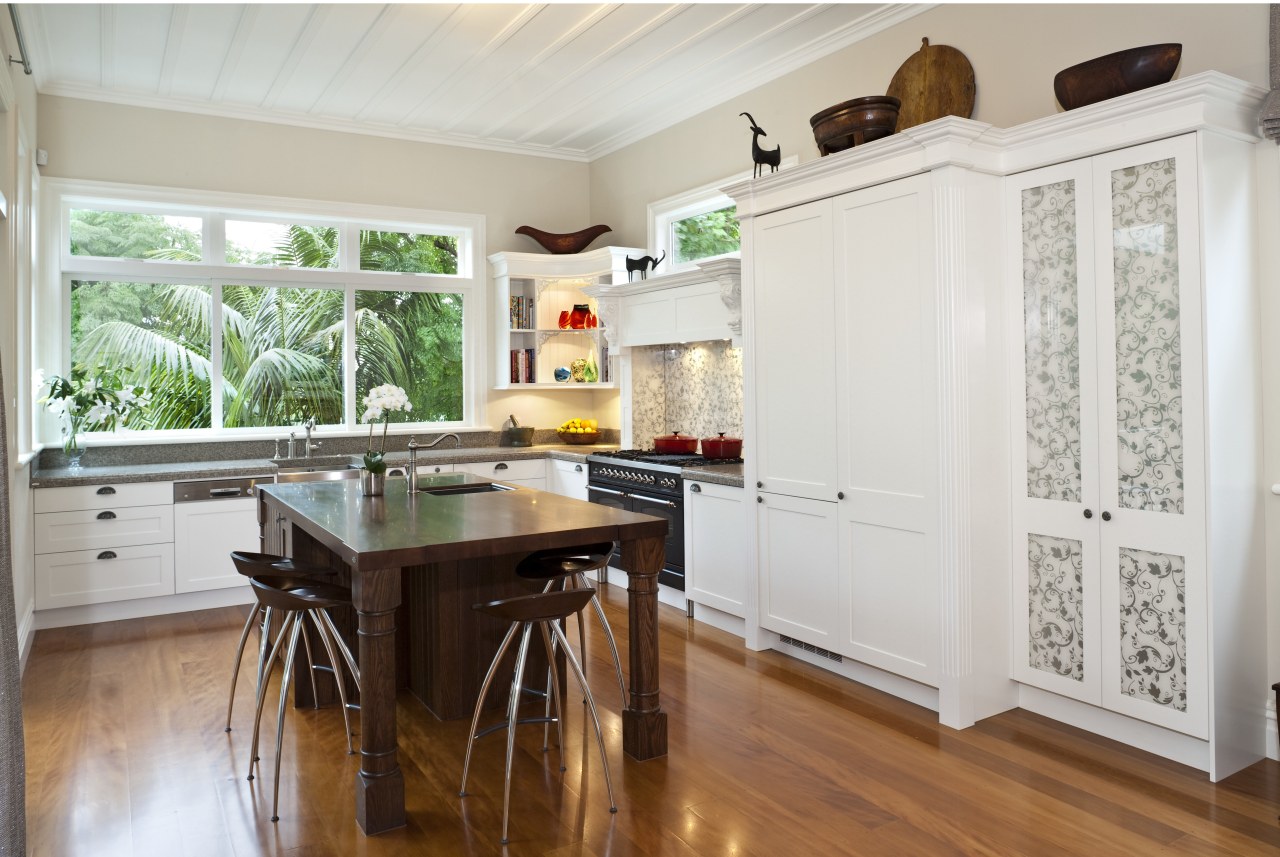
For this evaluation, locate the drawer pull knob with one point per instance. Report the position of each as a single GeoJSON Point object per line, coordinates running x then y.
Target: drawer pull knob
{"type": "Point", "coordinates": [501, 465]}
{"type": "Point", "coordinates": [106, 489]}
{"type": "Point", "coordinates": [106, 516]}
{"type": "Point", "coordinates": [695, 488]}
{"type": "Point", "coordinates": [107, 555]}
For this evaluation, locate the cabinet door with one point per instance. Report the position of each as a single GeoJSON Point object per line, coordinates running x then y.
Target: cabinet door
{"type": "Point", "coordinates": [798, 568]}
{"type": "Point", "coordinates": [794, 355]}
{"type": "Point", "coordinates": [1150, 424]}
{"type": "Point", "coordinates": [1054, 427]}
{"type": "Point", "coordinates": [715, 546]}
{"type": "Point", "coordinates": [204, 534]}
{"type": "Point", "coordinates": [75, 578]}
{"type": "Point", "coordinates": [568, 478]}
{"type": "Point", "coordinates": [887, 418]}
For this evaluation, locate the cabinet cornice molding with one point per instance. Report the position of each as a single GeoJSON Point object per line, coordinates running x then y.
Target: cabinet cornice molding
{"type": "Point", "coordinates": [1209, 101]}
{"type": "Point", "coordinates": [560, 266]}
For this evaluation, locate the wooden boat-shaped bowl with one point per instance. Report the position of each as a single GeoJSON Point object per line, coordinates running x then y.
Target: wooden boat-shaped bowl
{"type": "Point", "coordinates": [852, 123]}
{"type": "Point", "coordinates": [1116, 74]}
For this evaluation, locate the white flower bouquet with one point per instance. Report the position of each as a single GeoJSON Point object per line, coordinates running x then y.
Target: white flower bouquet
{"type": "Point", "coordinates": [90, 401]}
{"type": "Point", "coordinates": [380, 402]}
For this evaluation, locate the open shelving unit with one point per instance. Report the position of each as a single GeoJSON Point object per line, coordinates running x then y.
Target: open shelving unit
{"type": "Point", "coordinates": [530, 292]}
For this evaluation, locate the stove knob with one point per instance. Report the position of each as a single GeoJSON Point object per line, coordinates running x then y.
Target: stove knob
{"type": "Point", "coordinates": [649, 478]}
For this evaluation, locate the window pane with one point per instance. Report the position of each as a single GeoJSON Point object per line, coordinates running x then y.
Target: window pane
{"type": "Point", "coordinates": [706, 235]}
{"type": "Point", "coordinates": [287, 245]}
{"type": "Point", "coordinates": [408, 253]}
{"type": "Point", "coordinates": [281, 356]}
{"type": "Point", "coordinates": [412, 340]}
{"type": "Point", "coordinates": [129, 235]}
{"type": "Point", "coordinates": [158, 334]}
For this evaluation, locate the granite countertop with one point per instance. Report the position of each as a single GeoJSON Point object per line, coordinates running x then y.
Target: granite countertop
{"type": "Point", "coordinates": [716, 474]}
{"type": "Point", "coordinates": [177, 471]}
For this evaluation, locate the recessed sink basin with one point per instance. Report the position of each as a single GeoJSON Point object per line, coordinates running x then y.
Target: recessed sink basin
{"type": "Point", "coordinates": [317, 469]}
{"type": "Point", "coordinates": [466, 489]}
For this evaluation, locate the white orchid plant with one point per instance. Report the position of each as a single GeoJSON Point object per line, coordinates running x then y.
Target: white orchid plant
{"type": "Point", "coordinates": [84, 400]}
{"type": "Point", "coordinates": [379, 404]}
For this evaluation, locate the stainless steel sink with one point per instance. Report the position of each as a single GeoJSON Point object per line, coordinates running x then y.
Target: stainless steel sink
{"type": "Point", "coordinates": [466, 489]}
{"type": "Point", "coordinates": [328, 468]}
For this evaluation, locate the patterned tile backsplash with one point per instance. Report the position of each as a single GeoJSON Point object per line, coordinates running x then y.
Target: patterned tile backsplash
{"type": "Point", "coordinates": [695, 389]}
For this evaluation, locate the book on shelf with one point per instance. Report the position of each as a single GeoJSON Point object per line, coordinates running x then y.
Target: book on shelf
{"type": "Point", "coordinates": [523, 368]}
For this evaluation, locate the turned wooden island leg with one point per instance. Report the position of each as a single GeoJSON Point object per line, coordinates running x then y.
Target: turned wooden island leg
{"type": "Point", "coordinates": [375, 594]}
{"type": "Point", "coordinates": [644, 723]}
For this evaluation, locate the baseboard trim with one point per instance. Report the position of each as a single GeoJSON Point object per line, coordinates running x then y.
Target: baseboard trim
{"type": "Point", "coordinates": [114, 611]}
{"type": "Point", "coordinates": [26, 634]}
{"type": "Point", "coordinates": [894, 685]}
{"type": "Point", "coordinates": [1273, 739]}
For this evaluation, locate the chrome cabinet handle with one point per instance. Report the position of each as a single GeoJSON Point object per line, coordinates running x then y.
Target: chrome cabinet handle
{"type": "Point", "coordinates": [695, 488]}
{"type": "Point", "coordinates": [224, 492]}
{"type": "Point", "coordinates": [106, 516]}
{"type": "Point", "coordinates": [107, 555]}
{"type": "Point", "coordinates": [106, 489]}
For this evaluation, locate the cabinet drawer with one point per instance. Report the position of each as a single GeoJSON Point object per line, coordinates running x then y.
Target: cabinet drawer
{"type": "Point", "coordinates": [77, 497]}
{"type": "Point", "coordinates": [93, 577]}
{"type": "Point", "coordinates": [108, 528]}
{"type": "Point", "coordinates": [505, 471]}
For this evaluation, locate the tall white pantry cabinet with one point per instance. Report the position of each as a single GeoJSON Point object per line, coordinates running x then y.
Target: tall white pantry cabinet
{"type": "Point", "coordinates": [1003, 391]}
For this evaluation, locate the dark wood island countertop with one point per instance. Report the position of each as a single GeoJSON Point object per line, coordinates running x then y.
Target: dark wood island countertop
{"type": "Point", "coordinates": [382, 539]}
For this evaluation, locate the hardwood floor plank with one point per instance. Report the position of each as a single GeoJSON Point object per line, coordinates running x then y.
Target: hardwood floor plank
{"type": "Point", "coordinates": [769, 756]}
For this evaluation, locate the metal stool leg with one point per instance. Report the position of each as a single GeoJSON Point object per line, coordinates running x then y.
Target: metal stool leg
{"type": "Point", "coordinates": [553, 690]}
{"type": "Point", "coordinates": [235, 665]}
{"type": "Point", "coordinates": [591, 704]}
{"type": "Point", "coordinates": [262, 687]}
{"type": "Point", "coordinates": [513, 709]}
{"type": "Point", "coordinates": [484, 691]}
{"type": "Point", "coordinates": [284, 698]}
{"type": "Point", "coordinates": [337, 675]}
{"type": "Point", "coordinates": [581, 582]}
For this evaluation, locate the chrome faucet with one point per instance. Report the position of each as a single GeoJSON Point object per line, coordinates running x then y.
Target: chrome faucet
{"type": "Point", "coordinates": [307, 446]}
{"type": "Point", "coordinates": [457, 440]}
{"type": "Point", "coordinates": [413, 465]}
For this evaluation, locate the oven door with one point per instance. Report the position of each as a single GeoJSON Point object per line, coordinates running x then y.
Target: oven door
{"type": "Point", "coordinates": [672, 511]}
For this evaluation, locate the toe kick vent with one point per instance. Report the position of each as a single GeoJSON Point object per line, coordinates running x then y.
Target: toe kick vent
{"type": "Point", "coordinates": [813, 650]}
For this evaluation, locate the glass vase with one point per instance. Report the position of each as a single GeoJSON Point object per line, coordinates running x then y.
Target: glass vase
{"type": "Point", "coordinates": [71, 449]}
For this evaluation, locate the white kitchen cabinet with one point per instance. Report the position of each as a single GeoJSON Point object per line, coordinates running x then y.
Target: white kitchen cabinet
{"type": "Point", "coordinates": [689, 306]}
{"type": "Point", "coordinates": [846, 423]}
{"type": "Point", "coordinates": [715, 552]}
{"type": "Point", "coordinates": [529, 472]}
{"type": "Point", "coordinates": [1135, 489]}
{"type": "Point", "coordinates": [531, 290]}
{"type": "Point", "coordinates": [205, 534]}
{"type": "Point", "coordinates": [567, 478]}
{"type": "Point", "coordinates": [101, 543]}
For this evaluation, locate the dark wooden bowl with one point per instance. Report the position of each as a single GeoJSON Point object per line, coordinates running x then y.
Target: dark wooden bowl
{"type": "Point", "coordinates": [852, 123]}
{"type": "Point", "coordinates": [561, 243]}
{"type": "Point", "coordinates": [1116, 74]}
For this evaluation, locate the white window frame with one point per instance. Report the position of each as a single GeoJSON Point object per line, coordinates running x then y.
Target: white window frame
{"type": "Point", "coordinates": [53, 302]}
{"type": "Point", "coordinates": [665, 213]}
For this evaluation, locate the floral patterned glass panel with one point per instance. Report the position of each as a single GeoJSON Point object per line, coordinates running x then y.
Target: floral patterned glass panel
{"type": "Point", "coordinates": [1055, 622]}
{"type": "Point", "coordinates": [1153, 627]}
{"type": "Point", "coordinates": [1148, 338]}
{"type": "Point", "coordinates": [1051, 316]}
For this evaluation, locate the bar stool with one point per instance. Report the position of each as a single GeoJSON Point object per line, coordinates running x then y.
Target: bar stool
{"type": "Point", "coordinates": [545, 610]}
{"type": "Point", "coordinates": [297, 598]}
{"type": "Point", "coordinates": [566, 569]}
{"type": "Point", "coordinates": [251, 565]}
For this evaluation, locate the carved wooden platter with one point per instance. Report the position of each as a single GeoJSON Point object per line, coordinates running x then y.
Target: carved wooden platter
{"type": "Point", "coordinates": [935, 81]}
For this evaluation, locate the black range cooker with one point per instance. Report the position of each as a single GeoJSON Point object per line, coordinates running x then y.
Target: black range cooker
{"type": "Point", "coordinates": [648, 482]}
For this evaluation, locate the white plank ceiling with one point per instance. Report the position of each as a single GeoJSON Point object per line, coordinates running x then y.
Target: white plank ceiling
{"type": "Point", "coordinates": [573, 81]}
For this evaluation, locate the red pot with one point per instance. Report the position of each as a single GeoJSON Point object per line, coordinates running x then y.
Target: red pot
{"type": "Point", "coordinates": [722, 447]}
{"type": "Point", "coordinates": [676, 444]}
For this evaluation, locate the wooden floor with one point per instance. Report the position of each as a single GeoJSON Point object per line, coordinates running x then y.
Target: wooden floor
{"type": "Point", "coordinates": [126, 755]}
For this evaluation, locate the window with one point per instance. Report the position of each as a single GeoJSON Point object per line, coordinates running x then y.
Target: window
{"type": "Point", "coordinates": [239, 316]}
{"type": "Point", "coordinates": [697, 224]}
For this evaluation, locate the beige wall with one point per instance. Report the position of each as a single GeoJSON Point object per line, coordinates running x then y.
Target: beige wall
{"type": "Point", "coordinates": [1015, 51]}
{"type": "Point", "coordinates": [108, 142]}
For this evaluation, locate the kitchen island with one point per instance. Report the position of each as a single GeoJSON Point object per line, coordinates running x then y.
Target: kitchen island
{"type": "Point", "coordinates": [382, 540]}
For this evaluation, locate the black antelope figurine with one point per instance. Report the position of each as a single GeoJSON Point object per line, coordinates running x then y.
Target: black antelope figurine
{"type": "Point", "coordinates": [644, 265]}
{"type": "Point", "coordinates": [772, 157]}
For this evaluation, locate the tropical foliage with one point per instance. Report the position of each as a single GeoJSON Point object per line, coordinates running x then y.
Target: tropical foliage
{"type": "Point", "coordinates": [707, 234]}
{"type": "Point", "coordinates": [282, 347]}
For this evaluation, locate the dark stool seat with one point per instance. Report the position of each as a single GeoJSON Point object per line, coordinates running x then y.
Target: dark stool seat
{"type": "Point", "coordinates": [566, 569]}
{"type": "Point", "coordinates": [545, 610]}
{"type": "Point", "coordinates": [251, 565]}
{"type": "Point", "coordinates": [296, 598]}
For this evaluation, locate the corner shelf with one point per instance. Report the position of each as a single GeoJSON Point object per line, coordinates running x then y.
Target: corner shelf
{"type": "Point", "coordinates": [534, 288]}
